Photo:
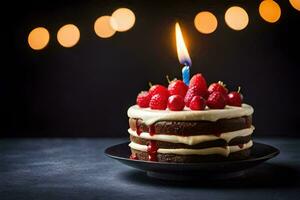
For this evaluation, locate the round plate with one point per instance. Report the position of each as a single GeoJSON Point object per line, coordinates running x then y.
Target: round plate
{"type": "Point", "coordinates": [186, 171]}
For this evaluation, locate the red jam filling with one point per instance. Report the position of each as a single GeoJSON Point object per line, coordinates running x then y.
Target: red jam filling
{"type": "Point", "coordinates": [152, 130]}
{"type": "Point", "coordinates": [152, 150]}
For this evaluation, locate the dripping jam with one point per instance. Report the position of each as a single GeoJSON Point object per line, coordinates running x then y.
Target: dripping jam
{"type": "Point", "coordinates": [152, 130]}
{"type": "Point", "coordinates": [152, 150]}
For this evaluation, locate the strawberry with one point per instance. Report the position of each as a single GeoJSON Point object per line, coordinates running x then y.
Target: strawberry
{"type": "Point", "coordinates": [158, 89]}
{"type": "Point", "coordinates": [197, 103]}
{"type": "Point", "coordinates": [177, 87]}
{"type": "Point", "coordinates": [143, 99]}
{"type": "Point", "coordinates": [193, 91]}
{"type": "Point", "coordinates": [235, 98]}
{"type": "Point", "coordinates": [219, 87]}
{"type": "Point", "coordinates": [199, 82]}
{"type": "Point", "coordinates": [158, 102]}
{"type": "Point", "coordinates": [216, 100]}
{"type": "Point", "coordinates": [176, 103]}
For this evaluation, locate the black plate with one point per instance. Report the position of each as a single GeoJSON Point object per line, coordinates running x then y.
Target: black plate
{"type": "Point", "coordinates": [181, 171]}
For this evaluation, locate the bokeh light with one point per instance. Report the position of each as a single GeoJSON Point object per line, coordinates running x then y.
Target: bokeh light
{"type": "Point", "coordinates": [68, 35]}
{"type": "Point", "coordinates": [270, 11]}
{"type": "Point", "coordinates": [236, 18]}
{"type": "Point", "coordinates": [205, 22]}
{"type": "Point", "coordinates": [122, 19]}
{"type": "Point", "coordinates": [295, 4]}
{"type": "Point", "coordinates": [38, 38]}
{"type": "Point", "coordinates": [103, 27]}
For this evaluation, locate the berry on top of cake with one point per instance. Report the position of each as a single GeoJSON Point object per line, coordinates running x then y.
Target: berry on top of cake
{"type": "Point", "coordinates": [194, 123]}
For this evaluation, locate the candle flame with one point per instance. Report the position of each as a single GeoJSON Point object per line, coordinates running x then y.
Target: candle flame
{"type": "Point", "coordinates": [182, 52]}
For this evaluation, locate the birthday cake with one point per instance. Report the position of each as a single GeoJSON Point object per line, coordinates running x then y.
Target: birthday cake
{"type": "Point", "coordinates": [189, 124]}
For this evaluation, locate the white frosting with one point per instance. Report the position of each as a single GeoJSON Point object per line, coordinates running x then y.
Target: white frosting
{"type": "Point", "coordinates": [195, 139]}
{"type": "Point", "coordinates": [150, 116]}
{"type": "Point", "coordinates": [206, 151]}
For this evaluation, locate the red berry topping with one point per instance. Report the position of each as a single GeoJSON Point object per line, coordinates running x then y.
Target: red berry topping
{"type": "Point", "coordinates": [158, 102]}
{"type": "Point", "coordinates": [143, 99]}
{"type": "Point", "coordinates": [197, 103]}
{"type": "Point", "coordinates": [193, 91]}
{"type": "Point", "coordinates": [152, 147]}
{"type": "Point", "coordinates": [199, 82]}
{"type": "Point", "coordinates": [176, 103]}
{"type": "Point", "coordinates": [216, 100]}
{"type": "Point", "coordinates": [234, 99]}
{"type": "Point", "coordinates": [158, 89]}
{"type": "Point", "coordinates": [177, 87]}
{"type": "Point", "coordinates": [218, 87]}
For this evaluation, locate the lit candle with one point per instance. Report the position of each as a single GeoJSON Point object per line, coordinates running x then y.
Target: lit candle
{"type": "Point", "coordinates": [183, 55]}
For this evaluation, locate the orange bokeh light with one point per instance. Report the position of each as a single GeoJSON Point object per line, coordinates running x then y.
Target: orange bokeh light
{"type": "Point", "coordinates": [295, 4]}
{"type": "Point", "coordinates": [103, 27]}
{"type": "Point", "coordinates": [205, 22]}
{"type": "Point", "coordinates": [122, 19]}
{"type": "Point", "coordinates": [236, 18]}
{"type": "Point", "coordinates": [270, 11]}
{"type": "Point", "coordinates": [38, 38]}
{"type": "Point", "coordinates": [68, 35]}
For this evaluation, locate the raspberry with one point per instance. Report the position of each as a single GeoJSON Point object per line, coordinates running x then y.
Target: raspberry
{"type": "Point", "coordinates": [143, 99]}
{"type": "Point", "coordinates": [158, 102]}
{"type": "Point", "coordinates": [177, 87]}
{"type": "Point", "coordinates": [193, 91]}
{"type": "Point", "coordinates": [199, 82]}
{"type": "Point", "coordinates": [158, 89]}
{"type": "Point", "coordinates": [197, 103]}
{"type": "Point", "coordinates": [176, 103]}
{"type": "Point", "coordinates": [216, 100]}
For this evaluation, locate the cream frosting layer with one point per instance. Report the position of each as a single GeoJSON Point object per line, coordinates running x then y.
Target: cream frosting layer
{"type": "Point", "coordinates": [195, 139]}
{"type": "Point", "coordinates": [150, 116]}
{"type": "Point", "coordinates": [206, 151]}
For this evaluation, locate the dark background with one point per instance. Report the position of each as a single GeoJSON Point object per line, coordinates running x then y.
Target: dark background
{"type": "Point", "coordinates": [86, 90]}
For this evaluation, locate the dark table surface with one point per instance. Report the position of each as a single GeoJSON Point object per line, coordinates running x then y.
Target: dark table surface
{"type": "Point", "coordinates": [78, 169]}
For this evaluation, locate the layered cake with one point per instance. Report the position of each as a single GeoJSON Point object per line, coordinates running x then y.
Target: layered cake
{"type": "Point", "coordinates": [186, 124]}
